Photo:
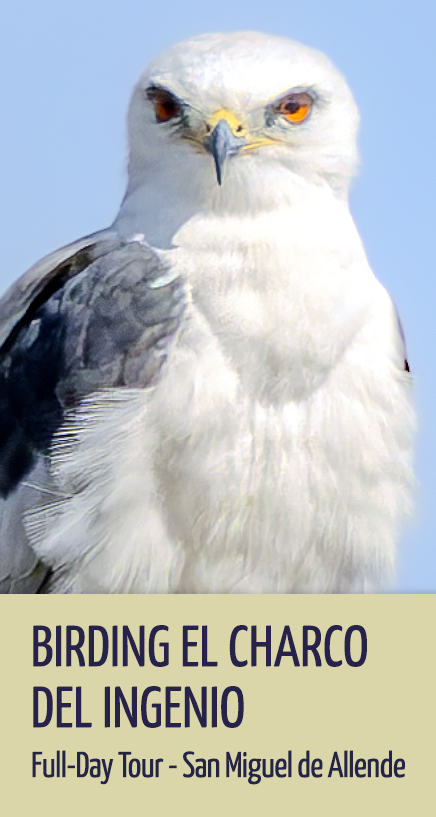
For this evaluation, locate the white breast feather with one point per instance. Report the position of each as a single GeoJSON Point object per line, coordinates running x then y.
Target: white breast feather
{"type": "Point", "coordinates": [273, 455]}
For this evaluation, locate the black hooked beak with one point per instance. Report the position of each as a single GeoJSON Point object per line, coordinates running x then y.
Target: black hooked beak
{"type": "Point", "coordinates": [222, 143]}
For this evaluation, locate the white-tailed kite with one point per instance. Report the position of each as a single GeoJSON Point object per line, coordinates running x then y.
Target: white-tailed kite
{"type": "Point", "coordinates": [211, 396]}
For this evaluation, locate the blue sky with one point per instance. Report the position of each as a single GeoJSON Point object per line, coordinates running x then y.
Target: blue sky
{"type": "Point", "coordinates": [68, 69]}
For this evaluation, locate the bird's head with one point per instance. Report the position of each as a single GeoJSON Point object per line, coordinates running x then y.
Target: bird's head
{"type": "Point", "coordinates": [215, 107]}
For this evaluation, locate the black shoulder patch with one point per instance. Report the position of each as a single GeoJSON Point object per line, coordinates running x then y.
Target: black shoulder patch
{"type": "Point", "coordinates": [107, 325]}
{"type": "Point", "coordinates": [30, 411]}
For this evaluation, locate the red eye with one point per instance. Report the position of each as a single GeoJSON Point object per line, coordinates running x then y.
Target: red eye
{"type": "Point", "coordinates": [166, 106]}
{"type": "Point", "coordinates": [295, 107]}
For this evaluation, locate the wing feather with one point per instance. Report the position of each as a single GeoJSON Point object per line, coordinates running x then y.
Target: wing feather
{"type": "Point", "coordinates": [96, 315]}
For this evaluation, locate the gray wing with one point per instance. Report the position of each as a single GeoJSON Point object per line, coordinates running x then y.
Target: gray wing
{"type": "Point", "coordinates": [100, 313]}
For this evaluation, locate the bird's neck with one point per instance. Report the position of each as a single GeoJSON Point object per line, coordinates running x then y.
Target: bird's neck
{"type": "Point", "coordinates": [158, 203]}
{"type": "Point", "coordinates": [151, 210]}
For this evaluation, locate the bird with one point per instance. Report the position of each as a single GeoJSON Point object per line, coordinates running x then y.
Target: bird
{"type": "Point", "coordinates": [212, 395]}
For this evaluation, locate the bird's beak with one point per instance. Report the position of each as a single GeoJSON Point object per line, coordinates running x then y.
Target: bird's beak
{"type": "Point", "coordinates": [226, 136]}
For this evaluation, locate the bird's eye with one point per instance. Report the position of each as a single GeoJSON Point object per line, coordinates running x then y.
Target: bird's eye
{"type": "Point", "coordinates": [166, 106]}
{"type": "Point", "coordinates": [294, 107]}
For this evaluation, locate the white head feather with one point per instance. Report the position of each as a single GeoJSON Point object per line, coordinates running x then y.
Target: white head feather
{"type": "Point", "coordinates": [243, 72]}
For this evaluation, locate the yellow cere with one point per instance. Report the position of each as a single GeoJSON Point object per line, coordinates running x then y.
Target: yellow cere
{"type": "Point", "coordinates": [238, 128]}
{"type": "Point", "coordinates": [233, 122]}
